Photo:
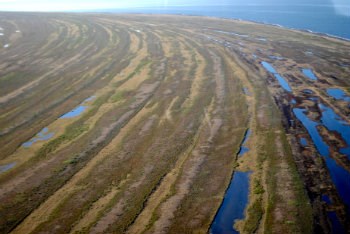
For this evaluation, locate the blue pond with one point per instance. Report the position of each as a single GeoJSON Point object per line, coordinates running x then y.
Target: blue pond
{"type": "Point", "coordinates": [269, 67]}
{"type": "Point", "coordinates": [303, 141]}
{"type": "Point", "coordinates": [233, 205]}
{"type": "Point", "coordinates": [246, 91]}
{"type": "Point", "coordinates": [339, 176]}
{"type": "Point", "coordinates": [78, 110]}
{"type": "Point", "coordinates": [243, 149]}
{"type": "Point", "coordinates": [43, 135]}
{"type": "Point", "coordinates": [4, 168]}
{"type": "Point", "coordinates": [326, 199]}
{"type": "Point", "coordinates": [280, 79]}
{"type": "Point", "coordinates": [74, 113]}
{"type": "Point", "coordinates": [334, 123]}
{"type": "Point", "coordinates": [309, 73]}
{"type": "Point", "coordinates": [338, 94]}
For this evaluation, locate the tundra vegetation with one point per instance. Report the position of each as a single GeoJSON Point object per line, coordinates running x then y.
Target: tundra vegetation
{"type": "Point", "coordinates": [167, 102]}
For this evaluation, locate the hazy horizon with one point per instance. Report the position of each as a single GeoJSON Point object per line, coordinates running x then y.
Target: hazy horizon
{"type": "Point", "coordinates": [341, 7]}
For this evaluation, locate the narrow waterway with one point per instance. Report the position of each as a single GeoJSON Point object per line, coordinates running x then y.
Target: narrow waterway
{"type": "Point", "coordinates": [235, 200]}
{"type": "Point", "coordinates": [244, 149]}
{"type": "Point", "coordinates": [233, 205]}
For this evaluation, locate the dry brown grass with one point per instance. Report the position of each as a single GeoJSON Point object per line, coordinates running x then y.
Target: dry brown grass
{"type": "Point", "coordinates": [41, 214]}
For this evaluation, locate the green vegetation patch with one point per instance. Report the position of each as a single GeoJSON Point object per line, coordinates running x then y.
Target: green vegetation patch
{"type": "Point", "coordinates": [118, 96]}
{"type": "Point", "coordinates": [70, 133]}
{"type": "Point", "coordinates": [255, 214]}
{"type": "Point", "coordinates": [139, 67]}
{"type": "Point", "coordinates": [73, 130]}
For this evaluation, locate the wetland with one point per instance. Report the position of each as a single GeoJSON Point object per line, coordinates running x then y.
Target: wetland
{"type": "Point", "coordinates": [135, 123]}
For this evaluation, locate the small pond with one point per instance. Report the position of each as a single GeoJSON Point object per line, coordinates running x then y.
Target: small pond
{"type": "Point", "coordinates": [338, 94]}
{"type": "Point", "coordinates": [280, 79]}
{"type": "Point", "coordinates": [309, 73]}
{"type": "Point", "coordinates": [4, 168]}
{"type": "Point", "coordinates": [43, 135]}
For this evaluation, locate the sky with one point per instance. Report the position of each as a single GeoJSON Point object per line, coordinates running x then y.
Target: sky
{"type": "Point", "coordinates": [340, 6]}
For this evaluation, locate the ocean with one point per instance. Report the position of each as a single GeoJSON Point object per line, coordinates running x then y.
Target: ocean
{"type": "Point", "coordinates": [323, 18]}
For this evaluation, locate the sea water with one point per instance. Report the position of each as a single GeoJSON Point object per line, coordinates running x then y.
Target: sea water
{"type": "Point", "coordinates": [319, 16]}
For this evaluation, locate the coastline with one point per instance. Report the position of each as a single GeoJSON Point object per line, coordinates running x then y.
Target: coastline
{"type": "Point", "coordinates": [125, 12]}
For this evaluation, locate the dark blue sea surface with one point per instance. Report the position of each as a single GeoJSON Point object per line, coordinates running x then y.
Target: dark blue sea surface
{"type": "Point", "coordinates": [322, 16]}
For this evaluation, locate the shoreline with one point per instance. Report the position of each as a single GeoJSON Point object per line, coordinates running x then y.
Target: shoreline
{"type": "Point", "coordinates": [322, 34]}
